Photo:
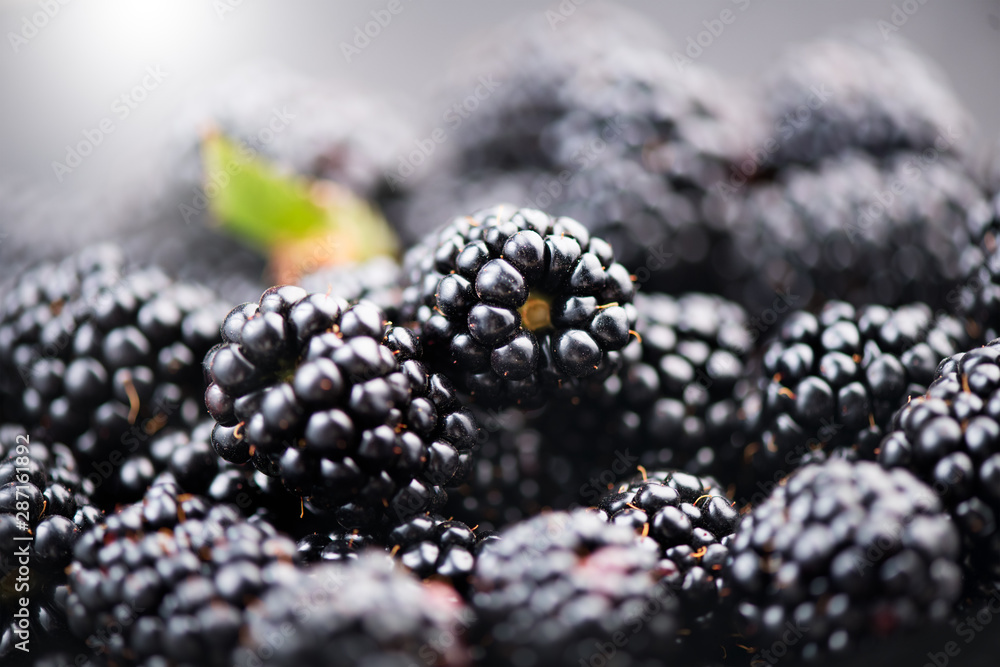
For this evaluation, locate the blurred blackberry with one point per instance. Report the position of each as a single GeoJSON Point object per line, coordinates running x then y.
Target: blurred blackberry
{"type": "Point", "coordinates": [175, 575]}
{"type": "Point", "coordinates": [691, 519]}
{"type": "Point", "coordinates": [335, 403]}
{"type": "Point", "coordinates": [514, 303]}
{"type": "Point", "coordinates": [831, 383]}
{"type": "Point", "coordinates": [362, 612]}
{"type": "Point", "coordinates": [842, 553]}
{"type": "Point", "coordinates": [556, 587]}
{"type": "Point", "coordinates": [950, 438]}
{"type": "Point", "coordinates": [976, 298]}
{"type": "Point", "coordinates": [101, 356]}
{"type": "Point", "coordinates": [519, 471]}
{"type": "Point", "coordinates": [860, 91]}
{"type": "Point", "coordinates": [44, 507]}
{"type": "Point", "coordinates": [601, 124]}
{"type": "Point", "coordinates": [851, 227]}
{"type": "Point", "coordinates": [376, 281]}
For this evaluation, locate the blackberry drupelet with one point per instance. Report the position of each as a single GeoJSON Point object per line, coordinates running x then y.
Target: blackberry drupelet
{"type": "Point", "coordinates": [335, 403]}
{"type": "Point", "coordinates": [950, 438]}
{"type": "Point", "coordinates": [515, 304]}
{"type": "Point", "coordinates": [363, 612]}
{"type": "Point", "coordinates": [376, 281]}
{"type": "Point", "coordinates": [558, 586]}
{"type": "Point", "coordinates": [174, 575]}
{"type": "Point", "coordinates": [843, 552]}
{"type": "Point", "coordinates": [101, 356]}
{"type": "Point", "coordinates": [831, 382]}
{"type": "Point", "coordinates": [851, 227]}
{"type": "Point", "coordinates": [44, 508]}
{"type": "Point", "coordinates": [864, 92]}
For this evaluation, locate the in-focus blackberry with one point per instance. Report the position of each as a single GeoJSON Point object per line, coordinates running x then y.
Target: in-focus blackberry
{"type": "Point", "coordinates": [950, 438]}
{"type": "Point", "coordinates": [335, 403]}
{"type": "Point", "coordinates": [44, 507]}
{"type": "Point", "coordinates": [831, 382]}
{"type": "Point", "coordinates": [170, 578]}
{"type": "Point", "coordinates": [432, 546]}
{"type": "Point", "coordinates": [362, 612]}
{"type": "Point", "coordinates": [515, 303]}
{"type": "Point", "coordinates": [101, 356]}
{"type": "Point", "coordinates": [335, 545]}
{"type": "Point", "coordinates": [860, 91]}
{"type": "Point", "coordinates": [555, 588]}
{"type": "Point", "coordinates": [843, 552]}
{"type": "Point", "coordinates": [691, 519]}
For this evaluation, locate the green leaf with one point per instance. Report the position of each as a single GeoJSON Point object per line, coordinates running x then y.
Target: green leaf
{"type": "Point", "coordinates": [254, 201]}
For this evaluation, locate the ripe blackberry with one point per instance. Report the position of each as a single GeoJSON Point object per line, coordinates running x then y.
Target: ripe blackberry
{"type": "Point", "coordinates": [376, 281]}
{"type": "Point", "coordinates": [335, 545]}
{"type": "Point", "coordinates": [100, 356]}
{"type": "Point", "coordinates": [860, 91]}
{"type": "Point", "coordinates": [557, 588]}
{"type": "Point", "coordinates": [432, 546]}
{"type": "Point", "coordinates": [675, 402]}
{"type": "Point", "coordinates": [362, 612]}
{"type": "Point", "coordinates": [831, 382]}
{"type": "Point", "coordinates": [174, 576]}
{"type": "Point", "coordinates": [851, 227]}
{"type": "Point", "coordinates": [44, 508]}
{"type": "Point", "coordinates": [518, 303]}
{"type": "Point", "coordinates": [335, 403]}
{"type": "Point", "coordinates": [950, 438]}
{"type": "Point", "coordinates": [519, 471]}
{"type": "Point", "coordinates": [976, 299]}
{"type": "Point", "coordinates": [841, 553]}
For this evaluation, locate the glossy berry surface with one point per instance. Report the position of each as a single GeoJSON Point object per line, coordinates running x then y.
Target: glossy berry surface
{"type": "Point", "coordinates": [831, 382]}
{"type": "Point", "coordinates": [334, 402]}
{"type": "Point", "coordinates": [184, 572]}
{"type": "Point", "coordinates": [513, 303]}
{"type": "Point", "coordinates": [846, 552]}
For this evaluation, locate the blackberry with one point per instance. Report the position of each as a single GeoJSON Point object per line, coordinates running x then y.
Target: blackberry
{"type": "Point", "coordinates": [691, 519]}
{"type": "Point", "coordinates": [44, 508]}
{"type": "Point", "coordinates": [843, 552]}
{"type": "Point", "coordinates": [831, 382]}
{"type": "Point", "coordinates": [334, 403]}
{"type": "Point", "coordinates": [174, 575]}
{"type": "Point", "coordinates": [676, 401]}
{"type": "Point", "coordinates": [335, 545]}
{"type": "Point", "coordinates": [363, 612]}
{"type": "Point", "coordinates": [432, 546]}
{"type": "Point", "coordinates": [100, 356]}
{"type": "Point", "coordinates": [556, 588]}
{"type": "Point", "coordinates": [977, 297]}
{"type": "Point", "coordinates": [950, 438]}
{"type": "Point", "coordinates": [518, 303]}
{"type": "Point", "coordinates": [860, 91]}
{"type": "Point", "coordinates": [376, 281]}
{"type": "Point", "coordinates": [519, 471]}
{"type": "Point", "coordinates": [851, 227]}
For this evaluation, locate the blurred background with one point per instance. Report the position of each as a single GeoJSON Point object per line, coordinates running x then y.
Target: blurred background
{"type": "Point", "coordinates": [140, 65]}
